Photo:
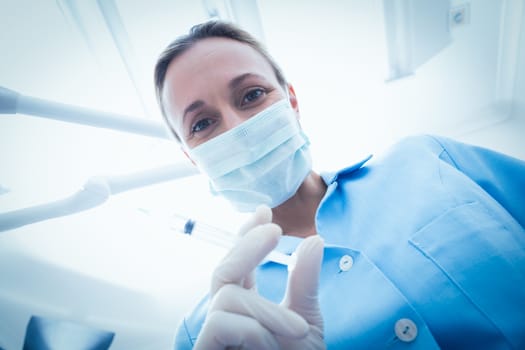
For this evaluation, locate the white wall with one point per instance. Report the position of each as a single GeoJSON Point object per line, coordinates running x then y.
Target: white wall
{"type": "Point", "coordinates": [508, 135]}
{"type": "Point", "coordinates": [335, 56]}
{"type": "Point", "coordinates": [519, 88]}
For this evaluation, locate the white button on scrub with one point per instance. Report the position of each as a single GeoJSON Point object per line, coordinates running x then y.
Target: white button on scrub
{"type": "Point", "coordinates": [406, 330]}
{"type": "Point", "coordinates": [346, 262]}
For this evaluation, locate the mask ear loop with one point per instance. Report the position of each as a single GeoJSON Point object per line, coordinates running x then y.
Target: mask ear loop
{"type": "Point", "coordinates": [184, 150]}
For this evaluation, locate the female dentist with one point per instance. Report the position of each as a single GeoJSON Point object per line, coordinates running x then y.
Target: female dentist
{"type": "Point", "coordinates": [422, 248]}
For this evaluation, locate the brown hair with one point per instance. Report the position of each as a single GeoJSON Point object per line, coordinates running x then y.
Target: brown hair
{"type": "Point", "coordinates": [210, 29]}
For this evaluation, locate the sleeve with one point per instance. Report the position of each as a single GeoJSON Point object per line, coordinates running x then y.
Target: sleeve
{"type": "Point", "coordinates": [183, 339]}
{"type": "Point", "coordinates": [500, 175]}
{"type": "Point", "coordinates": [191, 325]}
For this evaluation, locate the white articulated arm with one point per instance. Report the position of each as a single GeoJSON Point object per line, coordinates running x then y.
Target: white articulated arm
{"type": "Point", "coordinates": [12, 102]}
{"type": "Point", "coordinates": [95, 192]}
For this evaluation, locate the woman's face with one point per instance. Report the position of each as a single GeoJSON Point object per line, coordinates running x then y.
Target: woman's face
{"type": "Point", "coordinates": [214, 86]}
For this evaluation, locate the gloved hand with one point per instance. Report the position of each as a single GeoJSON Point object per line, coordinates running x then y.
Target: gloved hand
{"type": "Point", "coordinates": [238, 317]}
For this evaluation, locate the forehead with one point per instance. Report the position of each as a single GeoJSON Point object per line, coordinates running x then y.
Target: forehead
{"type": "Point", "coordinates": [207, 65]}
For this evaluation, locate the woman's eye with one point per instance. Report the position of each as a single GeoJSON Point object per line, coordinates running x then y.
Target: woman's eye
{"type": "Point", "coordinates": [253, 95]}
{"type": "Point", "coordinates": [201, 125]}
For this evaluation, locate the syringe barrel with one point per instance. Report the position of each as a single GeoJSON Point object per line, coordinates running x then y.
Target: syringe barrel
{"type": "Point", "coordinates": [219, 237]}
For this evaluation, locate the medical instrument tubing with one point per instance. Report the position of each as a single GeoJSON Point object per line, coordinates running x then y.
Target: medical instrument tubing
{"type": "Point", "coordinates": [219, 237]}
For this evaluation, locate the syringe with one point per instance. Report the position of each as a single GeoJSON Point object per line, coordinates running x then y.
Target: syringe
{"type": "Point", "coordinates": [218, 237]}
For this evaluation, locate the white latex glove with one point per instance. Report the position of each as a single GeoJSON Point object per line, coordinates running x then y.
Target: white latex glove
{"type": "Point", "coordinates": [239, 318]}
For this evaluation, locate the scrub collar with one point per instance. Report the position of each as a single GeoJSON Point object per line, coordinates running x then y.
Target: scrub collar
{"type": "Point", "coordinates": [288, 244]}
{"type": "Point", "coordinates": [331, 177]}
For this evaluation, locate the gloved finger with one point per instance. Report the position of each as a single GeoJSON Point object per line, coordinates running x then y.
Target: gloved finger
{"type": "Point", "coordinates": [223, 329]}
{"type": "Point", "coordinates": [276, 318]}
{"type": "Point", "coordinates": [262, 215]}
{"type": "Point", "coordinates": [303, 281]}
{"type": "Point", "coordinates": [242, 259]}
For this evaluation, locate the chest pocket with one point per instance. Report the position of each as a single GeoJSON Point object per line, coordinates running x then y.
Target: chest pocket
{"type": "Point", "coordinates": [362, 309]}
{"type": "Point", "coordinates": [485, 259]}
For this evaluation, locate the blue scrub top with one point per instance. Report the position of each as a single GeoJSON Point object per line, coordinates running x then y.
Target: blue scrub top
{"type": "Point", "coordinates": [424, 248]}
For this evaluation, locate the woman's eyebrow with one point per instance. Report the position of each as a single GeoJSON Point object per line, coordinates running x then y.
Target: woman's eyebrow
{"type": "Point", "coordinates": [193, 106]}
{"type": "Point", "coordinates": [232, 85]}
{"type": "Point", "coordinates": [235, 82]}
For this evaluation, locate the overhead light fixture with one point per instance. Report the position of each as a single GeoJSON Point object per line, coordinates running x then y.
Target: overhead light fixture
{"type": "Point", "coordinates": [415, 32]}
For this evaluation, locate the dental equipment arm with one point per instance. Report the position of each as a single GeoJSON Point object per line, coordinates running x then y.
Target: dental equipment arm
{"type": "Point", "coordinates": [97, 189]}
{"type": "Point", "coordinates": [12, 102]}
{"type": "Point", "coordinates": [95, 192]}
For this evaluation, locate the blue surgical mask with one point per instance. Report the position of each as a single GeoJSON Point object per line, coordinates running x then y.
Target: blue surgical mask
{"type": "Point", "coordinates": [264, 160]}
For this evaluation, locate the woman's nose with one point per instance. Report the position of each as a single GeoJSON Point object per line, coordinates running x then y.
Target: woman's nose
{"type": "Point", "coordinates": [232, 118]}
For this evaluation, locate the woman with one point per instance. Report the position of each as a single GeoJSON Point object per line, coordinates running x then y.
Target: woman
{"type": "Point", "coordinates": [422, 247]}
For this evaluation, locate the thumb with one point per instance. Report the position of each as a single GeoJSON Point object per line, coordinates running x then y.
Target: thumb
{"type": "Point", "coordinates": [303, 281]}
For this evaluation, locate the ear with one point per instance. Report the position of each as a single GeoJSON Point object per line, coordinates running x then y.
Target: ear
{"type": "Point", "coordinates": [187, 155]}
{"type": "Point", "coordinates": [293, 99]}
